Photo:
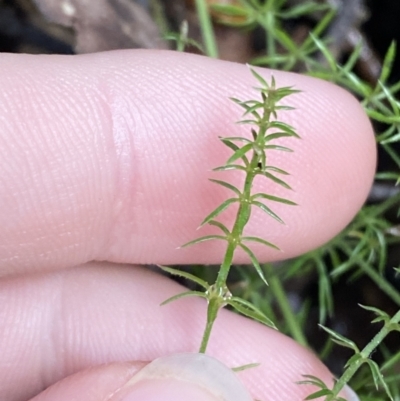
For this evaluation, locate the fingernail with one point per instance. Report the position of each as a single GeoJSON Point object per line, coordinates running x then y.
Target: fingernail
{"type": "Point", "coordinates": [195, 377]}
{"type": "Point", "coordinates": [350, 394]}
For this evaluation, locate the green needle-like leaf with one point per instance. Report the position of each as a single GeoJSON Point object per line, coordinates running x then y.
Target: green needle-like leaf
{"type": "Point", "coordinates": [245, 367]}
{"type": "Point", "coordinates": [219, 210]}
{"type": "Point", "coordinates": [240, 153]}
{"type": "Point", "coordinates": [381, 315]}
{"type": "Point", "coordinates": [278, 147]}
{"type": "Point", "coordinates": [230, 167]}
{"type": "Point", "coordinates": [277, 135]}
{"type": "Point", "coordinates": [299, 10]}
{"type": "Point", "coordinates": [277, 180]}
{"type": "Point", "coordinates": [260, 241]}
{"type": "Point", "coordinates": [237, 138]}
{"type": "Point", "coordinates": [186, 275]}
{"type": "Point", "coordinates": [203, 239]}
{"type": "Point", "coordinates": [267, 210]}
{"type": "Point", "coordinates": [276, 170]}
{"type": "Point", "coordinates": [227, 185]}
{"type": "Point", "coordinates": [235, 148]}
{"type": "Point", "coordinates": [312, 380]}
{"type": "Point", "coordinates": [388, 63]}
{"type": "Point", "coordinates": [284, 128]}
{"type": "Point", "coordinates": [259, 78]}
{"type": "Point", "coordinates": [184, 295]}
{"type": "Point", "coordinates": [249, 310]}
{"type": "Point", "coordinates": [255, 262]}
{"type": "Point", "coordinates": [339, 339]}
{"type": "Point", "coordinates": [274, 199]}
{"type": "Point", "coordinates": [246, 107]}
{"type": "Point", "coordinates": [220, 226]}
{"type": "Point", "coordinates": [378, 377]}
{"type": "Point", "coordinates": [318, 394]}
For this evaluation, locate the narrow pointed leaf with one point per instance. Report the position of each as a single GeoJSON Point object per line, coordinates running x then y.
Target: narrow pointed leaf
{"type": "Point", "coordinates": [245, 367]}
{"type": "Point", "coordinates": [277, 135]}
{"type": "Point", "coordinates": [353, 59]}
{"type": "Point", "coordinates": [220, 226]}
{"type": "Point", "coordinates": [235, 148]}
{"type": "Point", "coordinates": [377, 311]}
{"type": "Point", "coordinates": [243, 122]}
{"type": "Point", "coordinates": [254, 261]}
{"type": "Point", "coordinates": [378, 377]}
{"type": "Point", "coordinates": [260, 241]}
{"type": "Point", "coordinates": [259, 78]}
{"type": "Point", "coordinates": [253, 109]}
{"type": "Point", "coordinates": [388, 63]}
{"type": "Point", "coordinates": [219, 210]}
{"type": "Point", "coordinates": [230, 144]}
{"type": "Point", "coordinates": [203, 239]}
{"type": "Point", "coordinates": [277, 180]}
{"type": "Point", "coordinates": [186, 275]}
{"type": "Point", "coordinates": [313, 380]}
{"type": "Point", "coordinates": [339, 339]}
{"type": "Point", "coordinates": [299, 10]}
{"type": "Point", "coordinates": [274, 199]}
{"type": "Point", "coordinates": [284, 128]}
{"type": "Point", "coordinates": [240, 153]}
{"type": "Point", "coordinates": [278, 147]}
{"type": "Point", "coordinates": [319, 393]}
{"type": "Point", "coordinates": [249, 310]}
{"type": "Point", "coordinates": [325, 51]}
{"type": "Point", "coordinates": [184, 295]}
{"type": "Point", "coordinates": [267, 210]}
{"type": "Point", "coordinates": [276, 170]}
{"type": "Point", "coordinates": [237, 138]}
{"type": "Point", "coordinates": [227, 185]}
{"type": "Point", "coordinates": [230, 167]}
{"type": "Point", "coordinates": [245, 106]}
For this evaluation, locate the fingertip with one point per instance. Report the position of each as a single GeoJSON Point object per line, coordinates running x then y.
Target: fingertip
{"type": "Point", "coordinates": [93, 384]}
{"type": "Point", "coordinates": [115, 159]}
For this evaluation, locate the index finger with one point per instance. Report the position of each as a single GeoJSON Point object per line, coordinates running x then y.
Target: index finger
{"type": "Point", "coordinates": [106, 157]}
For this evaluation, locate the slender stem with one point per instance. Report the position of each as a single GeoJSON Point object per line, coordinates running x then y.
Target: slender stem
{"type": "Point", "coordinates": [212, 312]}
{"type": "Point", "coordinates": [365, 353]}
{"type": "Point", "coordinates": [182, 39]}
{"type": "Point", "coordinates": [271, 47]}
{"type": "Point", "coordinates": [242, 217]}
{"type": "Point", "coordinates": [277, 289]}
{"type": "Point", "coordinates": [218, 295]}
{"type": "Point", "coordinates": [207, 29]}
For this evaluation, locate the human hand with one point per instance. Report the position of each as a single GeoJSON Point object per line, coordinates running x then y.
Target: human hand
{"type": "Point", "coordinates": [105, 158]}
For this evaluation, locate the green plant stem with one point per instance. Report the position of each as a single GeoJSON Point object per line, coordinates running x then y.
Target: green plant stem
{"type": "Point", "coordinates": [207, 29]}
{"type": "Point", "coordinates": [269, 26]}
{"type": "Point", "coordinates": [365, 354]}
{"type": "Point", "coordinates": [284, 305]}
{"type": "Point", "coordinates": [212, 311]}
{"type": "Point", "coordinates": [242, 217]}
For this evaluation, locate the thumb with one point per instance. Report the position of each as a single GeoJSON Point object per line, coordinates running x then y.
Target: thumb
{"type": "Point", "coordinates": [197, 377]}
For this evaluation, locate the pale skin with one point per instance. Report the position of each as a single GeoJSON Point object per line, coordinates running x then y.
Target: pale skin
{"type": "Point", "coordinates": [105, 158]}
